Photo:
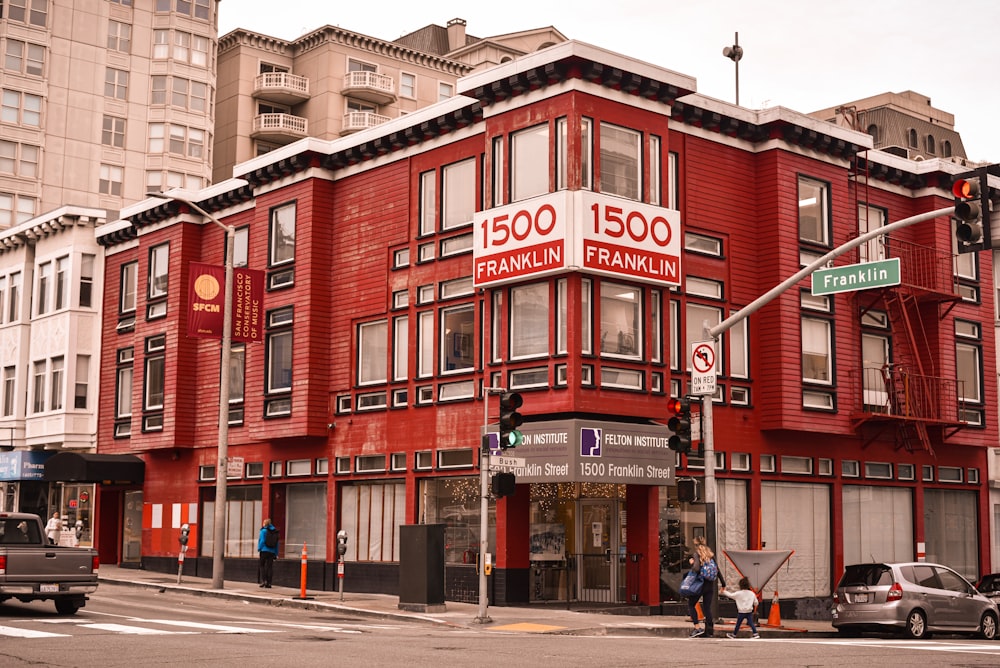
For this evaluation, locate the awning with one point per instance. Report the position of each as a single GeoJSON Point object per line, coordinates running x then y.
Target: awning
{"type": "Point", "coordinates": [86, 467]}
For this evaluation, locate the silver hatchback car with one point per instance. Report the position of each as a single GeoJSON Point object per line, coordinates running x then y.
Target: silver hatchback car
{"type": "Point", "coordinates": [917, 598]}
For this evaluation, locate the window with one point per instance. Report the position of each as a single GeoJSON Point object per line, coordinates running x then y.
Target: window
{"type": "Point", "coordinates": [57, 375]}
{"type": "Point", "coordinates": [237, 381]}
{"type": "Point", "coordinates": [428, 182]}
{"type": "Point", "coordinates": [182, 46]}
{"type": "Point", "coordinates": [371, 514]}
{"type": "Point", "coordinates": [282, 241]}
{"type": "Point", "coordinates": [14, 298]}
{"type": "Point", "coordinates": [968, 359]}
{"type": "Point", "coordinates": [279, 358]}
{"type": "Point", "coordinates": [457, 326]}
{"type": "Point", "coordinates": [817, 366]}
{"type": "Point", "coordinates": [9, 390]}
{"type": "Point", "coordinates": [161, 45]}
{"type": "Point", "coordinates": [24, 58]}
{"type": "Point", "coordinates": [123, 391]}
{"type": "Point", "coordinates": [372, 353]}
{"type": "Point", "coordinates": [43, 287]}
{"type": "Point", "coordinates": [400, 348]}
{"type": "Point", "coordinates": [425, 344]}
{"type": "Point", "coordinates": [408, 85]}
{"type": "Point", "coordinates": [460, 193]}
{"type": "Point", "coordinates": [529, 320]}
{"type": "Point", "coordinates": [695, 317]}
{"type": "Point", "coordinates": [813, 211]}
{"type": "Point", "coordinates": [158, 271]}
{"type": "Point", "coordinates": [241, 246]}
{"type": "Point", "coordinates": [739, 350]}
{"type": "Point", "coordinates": [871, 218]}
{"type": "Point", "coordinates": [529, 163]}
{"type": "Point", "coordinates": [153, 388]}
{"type": "Point", "coordinates": [654, 170]}
{"type": "Point", "coordinates": [19, 159]}
{"type": "Point", "coordinates": [119, 36]}
{"type": "Point", "coordinates": [456, 287]}
{"type": "Point", "coordinates": [158, 92]}
{"type": "Point", "coordinates": [81, 381]}
{"type": "Point", "coordinates": [911, 138]}
{"type": "Point", "coordinates": [31, 12]}
{"type": "Point", "coordinates": [445, 90]}
{"type": "Point", "coordinates": [111, 180]}
{"type": "Point", "coordinates": [930, 144]}
{"type": "Point", "coordinates": [113, 132]}
{"type": "Point", "coordinates": [129, 284]}
{"type": "Point", "coordinates": [38, 378]}
{"type": "Point", "coordinates": [699, 243]}
{"type": "Point", "coordinates": [19, 108]}
{"type": "Point", "coordinates": [116, 84]}
{"type": "Point", "coordinates": [621, 320]}
{"type": "Point", "coordinates": [621, 161]}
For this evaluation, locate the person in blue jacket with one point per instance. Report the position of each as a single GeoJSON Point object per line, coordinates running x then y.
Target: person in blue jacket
{"type": "Point", "coordinates": [267, 546]}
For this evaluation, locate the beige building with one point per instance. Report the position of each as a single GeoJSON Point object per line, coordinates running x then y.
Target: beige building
{"type": "Point", "coordinates": [333, 82]}
{"type": "Point", "coordinates": [102, 101]}
{"type": "Point", "coordinates": [904, 124]}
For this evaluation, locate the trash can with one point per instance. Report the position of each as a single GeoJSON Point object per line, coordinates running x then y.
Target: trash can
{"type": "Point", "coordinates": [421, 567]}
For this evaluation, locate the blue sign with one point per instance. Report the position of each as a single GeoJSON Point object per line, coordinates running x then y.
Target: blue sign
{"type": "Point", "coordinates": [24, 464]}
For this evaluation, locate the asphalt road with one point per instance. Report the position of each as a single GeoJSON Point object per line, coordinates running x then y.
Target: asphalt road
{"type": "Point", "coordinates": [125, 626]}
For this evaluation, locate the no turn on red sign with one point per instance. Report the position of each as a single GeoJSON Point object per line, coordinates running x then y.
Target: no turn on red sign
{"type": "Point", "coordinates": [703, 367]}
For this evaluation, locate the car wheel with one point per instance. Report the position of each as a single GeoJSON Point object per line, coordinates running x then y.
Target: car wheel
{"type": "Point", "coordinates": [988, 626]}
{"type": "Point", "coordinates": [67, 607]}
{"type": "Point", "coordinates": [916, 625]}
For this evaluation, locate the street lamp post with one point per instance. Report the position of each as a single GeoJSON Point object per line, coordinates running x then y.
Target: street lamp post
{"type": "Point", "coordinates": [219, 539]}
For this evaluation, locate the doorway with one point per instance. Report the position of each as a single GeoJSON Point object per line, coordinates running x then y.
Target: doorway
{"type": "Point", "coordinates": [601, 563]}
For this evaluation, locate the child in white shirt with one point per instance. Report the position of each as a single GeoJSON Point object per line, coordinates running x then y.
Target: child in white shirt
{"type": "Point", "coordinates": [746, 602]}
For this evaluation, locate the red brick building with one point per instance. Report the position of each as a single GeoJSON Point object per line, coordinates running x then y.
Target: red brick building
{"type": "Point", "coordinates": [562, 229]}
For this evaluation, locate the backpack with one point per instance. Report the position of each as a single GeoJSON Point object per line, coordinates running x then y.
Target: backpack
{"type": "Point", "coordinates": [271, 538]}
{"type": "Point", "coordinates": [709, 570]}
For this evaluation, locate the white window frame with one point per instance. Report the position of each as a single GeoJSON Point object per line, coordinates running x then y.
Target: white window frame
{"type": "Point", "coordinates": [373, 339]}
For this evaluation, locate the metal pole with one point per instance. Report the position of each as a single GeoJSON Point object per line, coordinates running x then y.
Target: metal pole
{"type": "Point", "coordinates": [484, 506]}
{"type": "Point", "coordinates": [219, 538]}
{"type": "Point", "coordinates": [219, 542]}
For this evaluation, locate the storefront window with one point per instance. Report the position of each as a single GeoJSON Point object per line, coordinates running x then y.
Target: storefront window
{"type": "Point", "coordinates": [455, 502]}
{"type": "Point", "coordinates": [952, 530]}
{"type": "Point", "coordinates": [243, 520]}
{"type": "Point", "coordinates": [371, 514]}
{"type": "Point", "coordinates": [306, 519]}
{"type": "Point", "coordinates": [77, 516]}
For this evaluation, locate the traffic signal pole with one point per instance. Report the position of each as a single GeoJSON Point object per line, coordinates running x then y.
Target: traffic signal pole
{"type": "Point", "coordinates": [713, 333]}
{"type": "Point", "coordinates": [484, 505]}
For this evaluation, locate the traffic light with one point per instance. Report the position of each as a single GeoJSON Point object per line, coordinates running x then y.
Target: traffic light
{"type": "Point", "coordinates": [503, 484]}
{"type": "Point", "coordinates": [510, 420]}
{"type": "Point", "coordinates": [680, 424]}
{"type": "Point", "coordinates": [972, 211]}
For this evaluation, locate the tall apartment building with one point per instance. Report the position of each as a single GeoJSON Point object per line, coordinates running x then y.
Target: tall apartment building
{"type": "Point", "coordinates": [333, 82]}
{"type": "Point", "coordinates": [103, 101]}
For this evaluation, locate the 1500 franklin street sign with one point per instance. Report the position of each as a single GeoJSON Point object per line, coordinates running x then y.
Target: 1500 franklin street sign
{"type": "Point", "coordinates": [864, 276]}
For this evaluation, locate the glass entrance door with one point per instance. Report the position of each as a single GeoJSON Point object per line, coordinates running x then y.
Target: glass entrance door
{"type": "Point", "coordinates": [132, 527]}
{"type": "Point", "coordinates": [598, 569]}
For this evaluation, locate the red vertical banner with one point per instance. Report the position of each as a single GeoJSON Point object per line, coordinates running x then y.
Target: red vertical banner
{"type": "Point", "coordinates": [206, 297]}
{"type": "Point", "coordinates": [205, 300]}
{"type": "Point", "coordinates": [248, 301]}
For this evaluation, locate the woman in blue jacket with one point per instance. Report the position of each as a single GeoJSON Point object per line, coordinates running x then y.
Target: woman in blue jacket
{"type": "Point", "coordinates": [267, 546]}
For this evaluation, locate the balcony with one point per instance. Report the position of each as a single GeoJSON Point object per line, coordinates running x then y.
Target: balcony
{"type": "Point", "coordinates": [281, 88]}
{"type": "Point", "coordinates": [279, 128]}
{"type": "Point", "coordinates": [369, 86]}
{"type": "Point", "coordinates": [361, 120]}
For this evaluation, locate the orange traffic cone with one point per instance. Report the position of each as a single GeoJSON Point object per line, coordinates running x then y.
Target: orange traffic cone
{"type": "Point", "coordinates": [697, 608]}
{"type": "Point", "coordinates": [774, 615]}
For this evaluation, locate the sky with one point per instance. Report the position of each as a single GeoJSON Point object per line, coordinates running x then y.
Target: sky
{"type": "Point", "coordinates": [799, 54]}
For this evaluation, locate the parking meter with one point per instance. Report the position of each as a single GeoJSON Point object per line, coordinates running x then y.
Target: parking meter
{"type": "Point", "coordinates": [341, 543]}
{"type": "Point", "coordinates": [185, 534]}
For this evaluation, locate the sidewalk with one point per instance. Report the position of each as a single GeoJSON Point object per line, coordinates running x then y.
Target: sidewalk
{"type": "Point", "coordinates": [536, 619]}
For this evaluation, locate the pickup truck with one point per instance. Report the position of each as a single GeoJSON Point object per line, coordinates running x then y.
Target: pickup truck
{"type": "Point", "coordinates": [32, 569]}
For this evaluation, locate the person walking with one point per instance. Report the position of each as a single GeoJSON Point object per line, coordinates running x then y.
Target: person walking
{"type": "Point", "coordinates": [746, 603]}
{"type": "Point", "coordinates": [267, 546]}
{"type": "Point", "coordinates": [703, 562]}
{"type": "Point", "coordinates": [53, 527]}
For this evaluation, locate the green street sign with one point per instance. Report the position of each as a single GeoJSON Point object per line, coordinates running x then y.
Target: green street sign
{"type": "Point", "coordinates": [864, 276]}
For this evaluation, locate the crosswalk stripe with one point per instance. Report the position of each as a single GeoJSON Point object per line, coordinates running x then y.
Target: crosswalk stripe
{"type": "Point", "coordinates": [130, 630]}
{"type": "Point", "coordinates": [221, 628]}
{"type": "Point", "coordinates": [15, 632]}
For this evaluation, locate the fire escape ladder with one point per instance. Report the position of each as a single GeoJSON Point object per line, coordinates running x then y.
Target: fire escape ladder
{"type": "Point", "coordinates": [904, 314]}
{"type": "Point", "coordinates": [910, 433]}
